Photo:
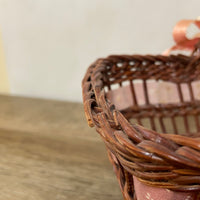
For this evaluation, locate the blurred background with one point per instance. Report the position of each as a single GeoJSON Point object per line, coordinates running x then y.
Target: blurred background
{"type": "Point", "coordinates": [47, 150]}
{"type": "Point", "coordinates": [47, 45]}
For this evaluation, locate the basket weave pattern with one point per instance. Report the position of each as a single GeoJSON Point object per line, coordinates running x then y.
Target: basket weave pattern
{"type": "Point", "coordinates": [163, 159]}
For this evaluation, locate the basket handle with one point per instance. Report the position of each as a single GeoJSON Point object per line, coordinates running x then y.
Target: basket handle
{"type": "Point", "coordinates": [182, 42]}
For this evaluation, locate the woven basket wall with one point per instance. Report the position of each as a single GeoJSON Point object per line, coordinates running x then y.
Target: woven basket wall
{"type": "Point", "coordinates": [146, 109]}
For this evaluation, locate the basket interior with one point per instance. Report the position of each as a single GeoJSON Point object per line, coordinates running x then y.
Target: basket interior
{"type": "Point", "coordinates": [163, 105]}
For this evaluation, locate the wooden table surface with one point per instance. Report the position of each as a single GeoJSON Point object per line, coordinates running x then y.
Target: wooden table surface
{"type": "Point", "coordinates": [48, 152]}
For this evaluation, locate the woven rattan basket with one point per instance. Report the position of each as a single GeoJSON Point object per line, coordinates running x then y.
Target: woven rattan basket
{"type": "Point", "coordinates": [146, 109]}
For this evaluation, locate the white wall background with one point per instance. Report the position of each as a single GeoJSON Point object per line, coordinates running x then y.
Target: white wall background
{"type": "Point", "coordinates": [49, 43]}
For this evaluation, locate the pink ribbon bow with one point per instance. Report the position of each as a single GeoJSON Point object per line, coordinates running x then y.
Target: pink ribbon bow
{"type": "Point", "coordinates": [180, 36]}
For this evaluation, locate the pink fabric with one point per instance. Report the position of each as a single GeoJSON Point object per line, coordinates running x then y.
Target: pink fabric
{"type": "Point", "coordinates": [145, 192]}
{"type": "Point", "coordinates": [163, 92]}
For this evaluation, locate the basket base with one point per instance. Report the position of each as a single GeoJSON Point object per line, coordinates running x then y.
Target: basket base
{"type": "Point", "coordinates": [145, 192]}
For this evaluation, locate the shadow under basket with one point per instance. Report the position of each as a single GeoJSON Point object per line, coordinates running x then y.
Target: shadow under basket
{"type": "Point", "coordinates": [146, 109]}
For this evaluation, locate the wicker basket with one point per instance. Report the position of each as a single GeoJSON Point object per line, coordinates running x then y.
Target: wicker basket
{"type": "Point", "coordinates": [146, 109]}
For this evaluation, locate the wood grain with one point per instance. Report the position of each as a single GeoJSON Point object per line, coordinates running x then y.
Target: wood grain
{"type": "Point", "coordinates": [48, 152]}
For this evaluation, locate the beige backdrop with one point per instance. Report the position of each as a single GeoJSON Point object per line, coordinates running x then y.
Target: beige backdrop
{"type": "Point", "coordinates": [49, 44]}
